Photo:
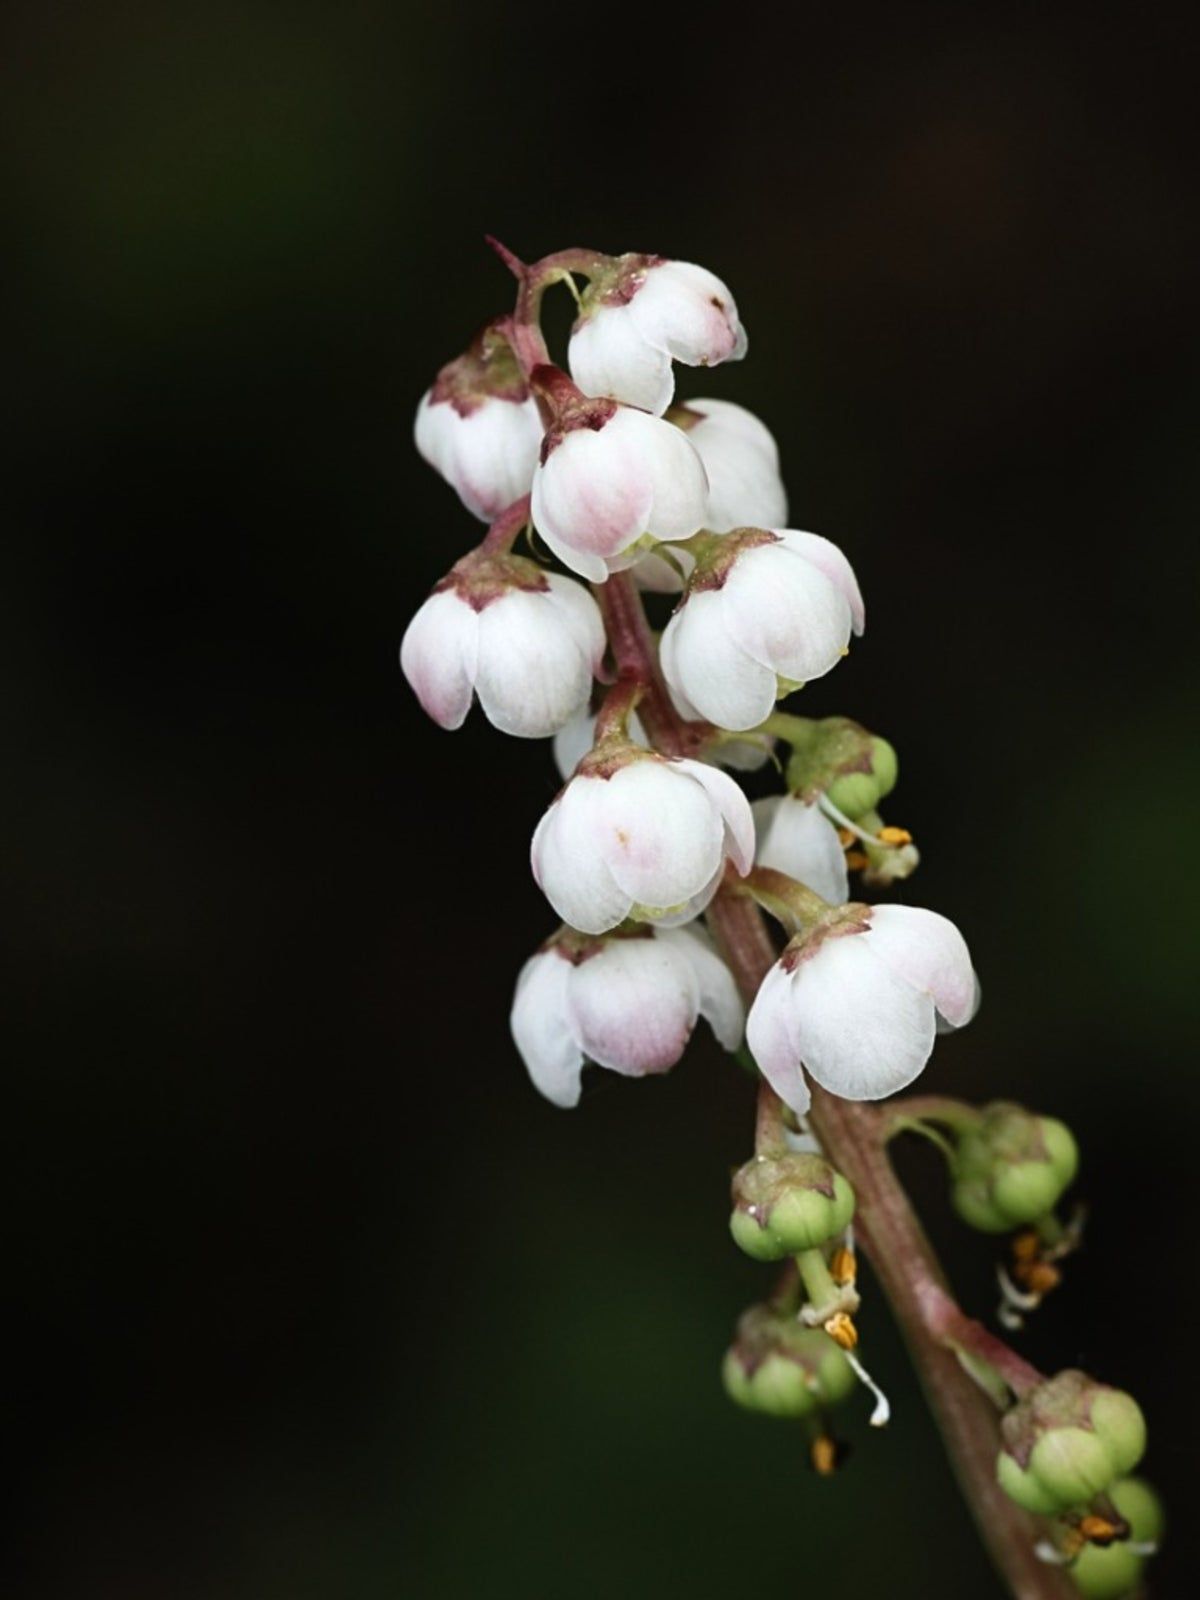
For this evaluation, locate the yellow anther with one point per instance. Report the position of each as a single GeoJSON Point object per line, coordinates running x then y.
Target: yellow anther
{"type": "Point", "coordinates": [894, 836]}
{"type": "Point", "coordinates": [824, 1455]}
{"type": "Point", "coordinates": [841, 1330]}
{"type": "Point", "coordinates": [1039, 1277]}
{"type": "Point", "coordinates": [846, 837]}
{"type": "Point", "coordinates": [1026, 1246]}
{"type": "Point", "coordinates": [842, 1267]}
{"type": "Point", "coordinates": [1100, 1530]}
{"type": "Point", "coordinates": [855, 860]}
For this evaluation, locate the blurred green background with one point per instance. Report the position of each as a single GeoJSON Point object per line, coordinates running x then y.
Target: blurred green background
{"type": "Point", "coordinates": [312, 1296]}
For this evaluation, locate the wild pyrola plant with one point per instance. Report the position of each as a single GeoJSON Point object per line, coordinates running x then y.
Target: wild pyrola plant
{"type": "Point", "coordinates": [604, 493]}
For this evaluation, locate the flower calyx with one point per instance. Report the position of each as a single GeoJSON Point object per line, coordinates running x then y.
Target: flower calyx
{"type": "Point", "coordinates": [789, 1203]}
{"type": "Point", "coordinates": [779, 1367]}
{"type": "Point", "coordinates": [1011, 1167]}
{"type": "Point", "coordinates": [1067, 1441]}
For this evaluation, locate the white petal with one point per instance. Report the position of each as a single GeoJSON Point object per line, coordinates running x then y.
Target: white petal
{"type": "Point", "coordinates": [488, 455]}
{"type": "Point", "coordinates": [926, 950]}
{"type": "Point", "coordinates": [662, 837]}
{"type": "Point", "coordinates": [769, 1037]}
{"type": "Point", "coordinates": [734, 808]}
{"type": "Point", "coordinates": [568, 863]}
{"type": "Point", "coordinates": [824, 554]}
{"type": "Point", "coordinates": [800, 840]}
{"type": "Point", "coordinates": [862, 1031]}
{"type": "Point", "coordinates": [581, 614]}
{"type": "Point", "coordinates": [742, 463]}
{"type": "Point", "coordinates": [706, 669]}
{"type": "Point", "coordinates": [786, 613]}
{"type": "Point", "coordinates": [688, 311]}
{"type": "Point", "coordinates": [608, 355]}
{"type": "Point", "coordinates": [720, 1002]}
{"type": "Point", "coordinates": [438, 657]}
{"type": "Point", "coordinates": [679, 486]}
{"type": "Point", "coordinates": [541, 1030]}
{"type": "Point", "coordinates": [532, 676]}
{"type": "Point", "coordinates": [634, 1005]}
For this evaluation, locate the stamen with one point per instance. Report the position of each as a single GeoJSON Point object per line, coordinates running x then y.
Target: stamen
{"type": "Point", "coordinates": [1100, 1530]}
{"type": "Point", "coordinates": [882, 1413]}
{"type": "Point", "coordinates": [823, 1453]}
{"type": "Point", "coordinates": [856, 860]}
{"type": "Point", "coordinates": [840, 1328]}
{"type": "Point", "coordinates": [843, 1268]}
{"type": "Point", "coordinates": [1026, 1246]}
{"type": "Point", "coordinates": [889, 838]}
{"type": "Point", "coordinates": [1039, 1277]}
{"type": "Point", "coordinates": [1014, 1296]}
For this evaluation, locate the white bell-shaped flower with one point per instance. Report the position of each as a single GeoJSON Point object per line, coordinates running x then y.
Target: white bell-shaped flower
{"type": "Point", "coordinates": [526, 641]}
{"type": "Point", "coordinates": [741, 459]}
{"type": "Point", "coordinates": [634, 834]}
{"type": "Point", "coordinates": [643, 315]}
{"type": "Point", "coordinates": [799, 839]}
{"type": "Point", "coordinates": [627, 1001]}
{"type": "Point", "coordinates": [480, 428]}
{"type": "Point", "coordinates": [856, 1002]}
{"type": "Point", "coordinates": [609, 477]}
{"type": "Point", "coordinates": [765, 613]}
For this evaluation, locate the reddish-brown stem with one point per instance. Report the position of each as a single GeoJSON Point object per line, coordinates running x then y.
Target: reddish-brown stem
{"type": "Point", "coordinates": [507, 526]}
{"type": "Point", "coordinates": [852, 1136]}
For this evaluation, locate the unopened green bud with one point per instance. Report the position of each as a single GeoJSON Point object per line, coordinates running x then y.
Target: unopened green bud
{"type": "Point", "coordinates": [1011, 1168]}
{"type": "Point", "coordinates": [1067, 1441]}
{"type": "Point", "coordinates": [1111, 1572]}
{"type": "Point", "coordinates": [858, 792]}
{"type": "Point", "coordinates": [789, 1203]}
{"type": "Point", "coordinates": [778, 1366]}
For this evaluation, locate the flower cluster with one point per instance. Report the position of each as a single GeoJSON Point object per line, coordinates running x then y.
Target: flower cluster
{"type": "Point", "coordinates": [610, 474]}
{"type": "Point", "coordinates": [658, 864]}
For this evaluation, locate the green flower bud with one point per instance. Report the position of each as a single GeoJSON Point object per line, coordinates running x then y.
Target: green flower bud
{"type": "Point", "coordinates": [1067, 1441]}
{"type": "Point", "coordinates": [1011, 1168]}
{"type": "Point", "coordinates": [859, 792]}
{"type": "Point", "coordinates": [778, 1366]}
{"type": "Point", "coordinates": [786, 1204]}
{"type": "Point", "coordinates": [1113, 1571]}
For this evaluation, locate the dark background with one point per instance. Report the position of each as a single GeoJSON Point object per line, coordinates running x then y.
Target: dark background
{"type": "Point", "coordinates": [312, 1296]}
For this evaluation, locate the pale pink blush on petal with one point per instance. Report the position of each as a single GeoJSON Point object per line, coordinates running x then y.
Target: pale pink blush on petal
{"type": "Point", "coordinates": [633, 1006]}
{"type": "Point", "coordinates": [438, 657]}
{"type": "Point", "coordinates": [662, 836]}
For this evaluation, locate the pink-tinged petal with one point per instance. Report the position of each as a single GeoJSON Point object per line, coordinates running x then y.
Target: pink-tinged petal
{"type": "Point", "coordinates": [825, 555]}
{"type": "Point", "coordinates": [581, 616]}
{"type": "Point", "coordinates": [734, 808]}
{"type": "Point", "coordinates": [633, 1006]}
{"type": "Point", "coordinates": [541, 1031]}
{"type": "Point", "coordinates": [608, 355]}
{"type": "Point", "coordinates": [927, 951]}
{"type": "Point", "coordinates": [688, 311]}
{"type": "Point", "coordinates": [568, 860]}
{"type": "Point", "coordinates": [769, 1037]}
{"type": "Point", "coordinates": [720, 1002]}
{"type": "Point", "coordinates": [862, 1031]}
{"type": "Point", "coordinates": [487, 456]}
{"type": "Point", "coordinates": [800, 840]}
{"type": "Point", "coordinates": [662, 836]}
{"type": "Point", "coordinates": [593, 495]}
{"type": "Point", "coordinates": [438, 657]}
{"type": "Point", "coordinates": [783, 611]}
{"type": "Point", "coordinates": [705, 668]}
{"type": "Point", "coordinates": [532, 676]}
